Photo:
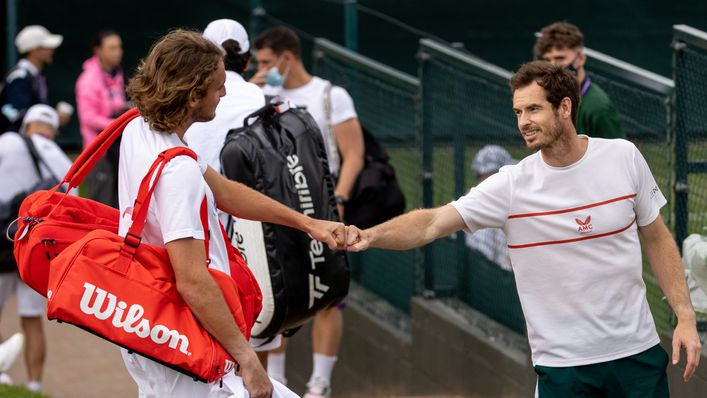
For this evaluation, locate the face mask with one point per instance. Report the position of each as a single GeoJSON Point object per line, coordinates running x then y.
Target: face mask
{"type": "Point", "coordinates": [571, 67]}
{"type": "Point", "coordinates": [274, 78]}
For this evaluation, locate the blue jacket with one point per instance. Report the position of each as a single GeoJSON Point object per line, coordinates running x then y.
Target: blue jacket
{"type": "Point", "coordinates": [24, 87]}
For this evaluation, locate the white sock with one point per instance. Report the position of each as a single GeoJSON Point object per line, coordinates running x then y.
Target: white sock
{"type": "Point", "coordinates": [276, 366]}
{"type": "Point", "coordinates": [34, 386]}
{"type": "Point", "coordinates": [323, 367]}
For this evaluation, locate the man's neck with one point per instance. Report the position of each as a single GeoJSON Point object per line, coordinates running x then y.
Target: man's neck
{"type": "Point", "coordinates": [182, 130]}
{"type": "Point", "coordinates": [297, 77]}
{"type": "Point", "coordinates": [567, 150]}
{"type": "Point", "coordinates": [37, 64]}
{"type": "Point", "coordinates": [581, 75]}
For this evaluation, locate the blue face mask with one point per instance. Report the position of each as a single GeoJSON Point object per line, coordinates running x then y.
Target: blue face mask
{"type": "Point", "coordinates": [274, 78]}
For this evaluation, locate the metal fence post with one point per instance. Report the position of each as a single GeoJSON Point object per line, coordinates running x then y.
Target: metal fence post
{"type": "Point", "coordinates": [11, 31]}
{"type": "Point", "coordinates": [681, 167]}
{"type": "Point", "coordinates": [427, 182]}
{"type": "Point", "coordinates": [256, 13]}
{"type": "Point", "coordinates": [351, 25]}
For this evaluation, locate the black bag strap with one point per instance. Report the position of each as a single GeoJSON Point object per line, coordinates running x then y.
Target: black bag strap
{"type": "Point", "coordinates": [36, 158]}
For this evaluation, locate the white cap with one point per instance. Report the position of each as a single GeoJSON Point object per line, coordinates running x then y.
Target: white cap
{"type": "Point", "coordinates": [41, 113]}
{"type": "Point", "coordinates": [220, 30]}
{"type": "Point", "coordinates": [490, 159]}
{"type": "Point", "coordinates": [36, 36]}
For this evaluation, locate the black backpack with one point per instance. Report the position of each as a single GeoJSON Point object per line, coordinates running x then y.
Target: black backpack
{"type": "Point", "coordinates": [10, 209]}
{"type": "Point", "coordinates": [281, 154]}
{"type": "Point", "coordinates": [376, 196]}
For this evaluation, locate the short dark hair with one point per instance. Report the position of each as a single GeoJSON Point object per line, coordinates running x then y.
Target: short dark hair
{"type": "Point", "coordinates": [280, 39]}
{"type": "Point", "coordinates": [557, 81]}
{"type": "Point", "coordinates": [98, 37]}
{"type": "Point", "coordinates": [559, 35]}
{"type": "Point", "coordinates": [234, 60]}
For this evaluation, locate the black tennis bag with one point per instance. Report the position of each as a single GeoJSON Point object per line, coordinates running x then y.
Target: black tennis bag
{"type": "Point", "coordinates": [281, 154]}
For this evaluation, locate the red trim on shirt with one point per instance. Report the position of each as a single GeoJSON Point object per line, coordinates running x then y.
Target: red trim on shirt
{"type": "Point", "coordinates": [557, 242]}
{"type": "Point", "coordinates": [547, 213]}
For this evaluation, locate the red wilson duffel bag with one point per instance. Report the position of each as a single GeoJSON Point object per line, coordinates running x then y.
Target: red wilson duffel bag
{"type": "Point", "coordinates": [124, 291]}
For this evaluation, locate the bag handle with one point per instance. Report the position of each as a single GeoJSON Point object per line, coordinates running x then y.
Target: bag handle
{"type": "Point", "coordinates": [88, 158]}
{"type": "Point", "coordinates": [133, 238]}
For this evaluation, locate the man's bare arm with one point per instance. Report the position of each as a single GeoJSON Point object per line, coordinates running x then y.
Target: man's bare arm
{"type": "Point", "coordinates": [665, 262]}
{"type": "Point", "coordinates": [411, 230]}
{"type": "Point", "coordinates": [239, 200]}
{"type": "Point", "coordinates": [204, 298]}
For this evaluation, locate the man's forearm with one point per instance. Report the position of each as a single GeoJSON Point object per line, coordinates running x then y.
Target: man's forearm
{"type": "Point", "coordinates": [667, 268]}
{"type": "Point", "coordinates": [404, 232]}
{"type": "Point", "coordinates": [210, 308]}
{"type": "Point", "coordinates": [239, 200]}
{"type": "Point", "coordinates": [350, 168]}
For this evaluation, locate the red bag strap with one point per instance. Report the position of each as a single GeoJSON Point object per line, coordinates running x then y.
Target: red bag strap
{"type": "Point", "coordinates": [91, 155]}
{"type": "Point", "coordinates": [133, 238]}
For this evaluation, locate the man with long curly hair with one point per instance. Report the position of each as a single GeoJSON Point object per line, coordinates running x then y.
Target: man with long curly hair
{"type": "Point", "coordinates": [180, 82]}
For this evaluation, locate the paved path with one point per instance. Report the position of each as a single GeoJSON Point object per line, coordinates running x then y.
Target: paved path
{"type": "Point", "coordinates": [79, 364]}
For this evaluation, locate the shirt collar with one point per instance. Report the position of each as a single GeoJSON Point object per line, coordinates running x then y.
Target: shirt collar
{"type": "Point", "coordinates": [25, 64]}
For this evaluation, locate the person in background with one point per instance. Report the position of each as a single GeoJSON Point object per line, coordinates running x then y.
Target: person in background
{"type": "Point", "coordinates": [562, 43]}
{"type": "Point", "coordinates": [100, 98]}
{"type": "Point", "coordinates": [40, 124]}
{"type": "Point", "coordinates": [281, 72]}
{"type": "Point", "coordinates": [25, 85]}
{"type": "Point", "coordinates": [241, 99]}
{"type": "Point", "coordinates": [491, 242]}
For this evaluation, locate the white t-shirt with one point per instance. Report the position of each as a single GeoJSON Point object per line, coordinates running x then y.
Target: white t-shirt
{"type": "Point", "coordinates": [311, 97]}
{"type": "Point", "coordinates": [241, 99]}
{"type": "Point", "coordinates": [574, 248]}
{"type": "Point", "coordinates": [174, 211]}
{"type": "Point", "coordinates": [17, 171]}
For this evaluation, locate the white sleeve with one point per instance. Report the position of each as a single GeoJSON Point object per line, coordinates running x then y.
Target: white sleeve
{"type": "Point", "coordinates": [487, 204]}
{"type": "Point", "coordinates": [342, 106]}
{"type": "Point", "coordinates": [177, 200]}
{"type": "Point", "coordinates": [649, 198]}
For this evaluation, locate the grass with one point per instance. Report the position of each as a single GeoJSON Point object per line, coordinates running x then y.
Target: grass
{"type": "Point", "coordinates": [9, 391]}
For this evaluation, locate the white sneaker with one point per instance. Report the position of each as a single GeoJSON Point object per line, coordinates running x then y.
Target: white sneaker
{"type": "Point", "coordinates": [34, 386]}
{"type": "Point", "coordinates": [5, 378]}
{"type": "Point", "coordinates": [9, 350]}
{"type": "Point", "coordinates": [318, 388]}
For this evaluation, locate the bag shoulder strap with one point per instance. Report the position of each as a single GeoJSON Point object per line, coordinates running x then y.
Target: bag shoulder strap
{"type": "Point", "coordinates": [33, 154]}
{"type": "Point", "coordinates": [91, 155]}
{"type": "Point", "coordinates": [133, 238]}
{"type": "Point", "coordinates": [37, 158]}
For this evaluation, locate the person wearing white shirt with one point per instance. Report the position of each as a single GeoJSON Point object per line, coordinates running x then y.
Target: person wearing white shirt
{"type": "Point", "coordinates": [180, 82]}
{"type": "Point", "coordinates": [242, 98]}
{"type": "Point", "coordinates": [18, 174]}
{"type": "Point", "coordinates": [282, 73]}
{"type": "Point", "coordinates": [572, 213]}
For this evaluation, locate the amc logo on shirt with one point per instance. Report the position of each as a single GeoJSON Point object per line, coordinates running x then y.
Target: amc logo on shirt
{"type": "Point", "coordinates": [585, 223]}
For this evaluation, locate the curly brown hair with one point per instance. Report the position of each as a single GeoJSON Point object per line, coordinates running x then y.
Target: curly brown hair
{"type": "Point", "coordinates": [180, 66]}
{"type": "Point", "coordinates": [557, 81]}
{"type": "Point", "coordinates": [559, 35]}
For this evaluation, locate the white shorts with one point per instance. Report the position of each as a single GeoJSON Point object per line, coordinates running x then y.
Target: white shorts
{"type": "Point", "coordinates": [156, 381]}
{"type": "Point", "coordinates": [29, 302]}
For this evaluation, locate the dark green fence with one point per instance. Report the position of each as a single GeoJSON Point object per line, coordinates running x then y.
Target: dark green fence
{"type": "Point", "coordinates": [387, 105]}
{"type": "Point", "coordinates": [466, 104]}
{"type": "Point", "coordinates": [690, 73]}
{"type": "Point", "coordinates": [644, 102]}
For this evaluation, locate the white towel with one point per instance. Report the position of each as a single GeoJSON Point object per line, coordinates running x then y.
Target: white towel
{"type": "Point", "coordinates": [235, 384]}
